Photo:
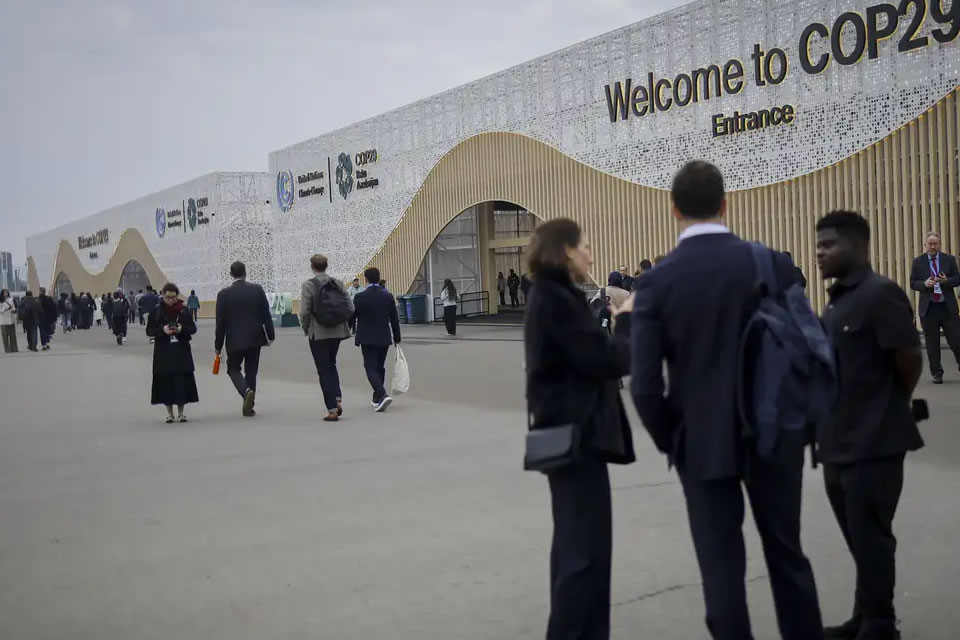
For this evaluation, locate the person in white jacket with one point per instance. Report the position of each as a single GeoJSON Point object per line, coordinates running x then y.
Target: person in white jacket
{"type": "Point", "coordinates": [8, 322]}
{"type": "Point", "coordinates": [449, 298]}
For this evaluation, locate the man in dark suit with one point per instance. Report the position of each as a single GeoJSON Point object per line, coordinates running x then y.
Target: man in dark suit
{"type": "Point", "coordinates": [244, 324]}
{"type": "Point", "coordinates": [935, 276]}
{"type": "Point", "coordinates": [691, 311]}
{"type": "Point", "coordinates": [374, 316]}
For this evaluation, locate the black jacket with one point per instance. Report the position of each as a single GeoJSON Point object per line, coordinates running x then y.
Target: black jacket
{"type": "Point", "coordinates": [243, 318]}
{"type": "Point", "coordinates": [49, 309]}
{"type": "Point", "coordinates": [374, 316]}
{"type": "Point", "coordinates": [690, 311]}
{"type": "Point", "coordinates": [169, 355]}
{"type": "Point", "coordinates": [29, 311]}
{"type": "Point", "coordinates": [120, 307]}
{"type": "Point", "coordinates": [513, 282]}
{"type": "Point", "coordinates": [573, 368]}
{"type": "Point", "coordinates": [921, 271]}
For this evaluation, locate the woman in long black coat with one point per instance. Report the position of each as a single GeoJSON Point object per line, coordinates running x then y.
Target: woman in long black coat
{"type": "Point", "coordinates": [172, 327]}
{"type": "Point", "coordinates": [573, 372]}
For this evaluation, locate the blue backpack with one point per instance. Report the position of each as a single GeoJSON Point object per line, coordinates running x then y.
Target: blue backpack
{"type": "Point", "coordinates": [787, 377]}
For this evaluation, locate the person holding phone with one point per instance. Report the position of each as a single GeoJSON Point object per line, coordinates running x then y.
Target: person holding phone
{"type": "Point", "coordinates": [935, 275]}
{"type": "Point", "coordinates": [172, 327]}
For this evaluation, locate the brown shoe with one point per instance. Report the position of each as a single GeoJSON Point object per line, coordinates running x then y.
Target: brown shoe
{"type": "Point", "coordinates": [339, 408]}
{"type": "Point", "coordinates": [249, 399]}
{"type": "Point", "coordinates": [332, 417]}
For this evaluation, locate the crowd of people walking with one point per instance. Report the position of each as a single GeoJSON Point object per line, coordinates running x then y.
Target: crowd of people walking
{"type": "Point", "coordinates": [721, 421]}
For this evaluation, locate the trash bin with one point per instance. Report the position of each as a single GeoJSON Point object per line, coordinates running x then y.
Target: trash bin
{"type": "Point", "coordinates": [412, 309]}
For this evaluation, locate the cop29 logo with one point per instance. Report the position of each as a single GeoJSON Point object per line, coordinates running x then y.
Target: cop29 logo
{"type": "Point", "coordinates": [192, 213]}
{"type": "Point", "coordinates": [285, 189]}
{"type": "Point", "coordinates": [345, 174]}
{"type": "Point", "coordinates": [161, 221]}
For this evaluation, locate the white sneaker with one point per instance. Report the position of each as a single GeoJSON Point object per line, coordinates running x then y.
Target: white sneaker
{"type": "Point", "coordinates": [383, 404]}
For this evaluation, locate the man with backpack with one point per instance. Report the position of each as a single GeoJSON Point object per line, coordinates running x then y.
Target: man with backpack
{"type": "Point", "coordinates": [325, 309]}
{"type": "Point", "coordinates": [864, 439]}
{"type": "Point", "coordinates": [692, 311]}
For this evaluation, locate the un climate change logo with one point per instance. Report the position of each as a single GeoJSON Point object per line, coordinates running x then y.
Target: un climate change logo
{"type": "Point", "coordinates": [345, 174]}
{"type": "Point", "coordinates": [285, 190]}
{"type": "Point", "coordinates": [161, 221]}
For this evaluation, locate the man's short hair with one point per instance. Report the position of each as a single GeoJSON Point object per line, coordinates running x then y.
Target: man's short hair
{"type": "Point", "coordinates": [847, 224]}
{"type": "Point", "coordinates": [238, 270]}
{"type": "Point", "coordinates": [43, 291]}
{"type": "Point", "coordinates": [645, 265]}
{"type": "Point", "coordinates": [372, 275]}
{"type": "Point", "coordinates": [932, 234]}
{"type": "Point", "coordinates": [318, 262]}
{"type": "Point", "coordinates": [698, 190]}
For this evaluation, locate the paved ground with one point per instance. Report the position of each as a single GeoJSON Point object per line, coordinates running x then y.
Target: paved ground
{"type": "Point", "coordinates": [415, 524]}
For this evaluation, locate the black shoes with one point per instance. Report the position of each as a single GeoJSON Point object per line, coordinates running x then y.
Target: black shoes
{"type": "Point", "coordinates": [859, 629]}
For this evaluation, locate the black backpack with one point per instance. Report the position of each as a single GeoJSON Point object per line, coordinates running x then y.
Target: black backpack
{"type": "Point", "coordinates": [600, 308]}
{"type": "Point", "coordinates": [331, 304]}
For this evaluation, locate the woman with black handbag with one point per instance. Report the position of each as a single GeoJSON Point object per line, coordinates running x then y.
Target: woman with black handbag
{"type": "Point", "coordinates": [577, 425]}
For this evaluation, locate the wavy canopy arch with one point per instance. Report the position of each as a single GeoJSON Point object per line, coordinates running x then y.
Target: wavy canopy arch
{"type": "Point", "coordinates": [130, 248]}
{"type": "Point", "coordinates": [905, 184]}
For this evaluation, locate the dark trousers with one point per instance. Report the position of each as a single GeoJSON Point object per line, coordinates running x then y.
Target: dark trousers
{"type": "Point", "coordinates": [503, 301]}
{"type": "Point", "coordinates": [514, 300]}
{"type": "Point", "coordinates": [120, 326]}
{"type": "Point", "coordinates": [939, 316]}
{"type": "Point", "coordinates": [374, 363]}
{"type": "Point", "coordinates": [325, 358]}
{"type": "Point", "coordinates": [581, 552]}
{"type": "Point", "coordinates": [716, 511]}
{"type": "Point", "coordinates": [250, 361]}
{"type": "Point", "coordinates": [31, 331]}
{"type": "Point", "coordinates": [864, 496]}
{"type": "Point", "coordinates": [45, 333]}
{"type": "Point", "coordinates": [450, 319]}
{"type": "Point", "coordinates": [9, 332]}
{"type": "Point", "coordinates": [109, 317]}
{"type": "Point", "coordinates": [195, 313]}
{"type": "Point", "coordinates": [140, 314]}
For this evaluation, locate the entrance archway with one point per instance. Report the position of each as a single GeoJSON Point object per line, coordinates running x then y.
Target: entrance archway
{"type": "Point", "coordinates": [485, 239]}
{"type": "Point", "coordinates": [133, 277]}
{"type": "Point", "coordinates": [62, 285]}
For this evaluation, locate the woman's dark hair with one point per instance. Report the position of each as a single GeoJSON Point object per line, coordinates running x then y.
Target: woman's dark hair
{"type": "Point", "coordinates": [500, 275]}
{"type": "Point", "coordinates": [169, 287]}
{"type": "Point", "coordinates": [548, 247]}
{"type": "Point", "coordinates": [451, 290]}
{"type": "Point", "coordinates": [4, 294]}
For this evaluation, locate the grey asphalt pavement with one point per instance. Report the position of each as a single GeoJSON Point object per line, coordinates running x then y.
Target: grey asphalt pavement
{"type": "Point", "coordinates": [413, 524]}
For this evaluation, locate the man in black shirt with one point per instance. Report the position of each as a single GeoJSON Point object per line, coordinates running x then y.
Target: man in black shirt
{"type": "Point", "coordinates": [863, 442]}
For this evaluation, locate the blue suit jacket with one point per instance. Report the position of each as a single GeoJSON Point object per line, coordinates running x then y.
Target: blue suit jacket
{"type": "Point", "coordinates": [690, 311]}
{"type": "Point", "coordinates": [375, 317]}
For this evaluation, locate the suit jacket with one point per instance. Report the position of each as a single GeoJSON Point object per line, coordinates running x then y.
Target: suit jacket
{"type": "Point", "coordinates": [921, 271]}
{"type": "Point", "coordinates": [374, 315]}
{"type": "Point", "coordinates": [243, 317]}
{"type": "Point", "coordinates": [690, 311]}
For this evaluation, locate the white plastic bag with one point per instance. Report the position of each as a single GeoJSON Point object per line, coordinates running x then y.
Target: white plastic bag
{"type": "Point", "coordinates": [401, 373]}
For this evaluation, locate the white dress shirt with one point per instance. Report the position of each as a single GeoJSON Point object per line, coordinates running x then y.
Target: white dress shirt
{"type": "Point", "coordinates": [702, 229]}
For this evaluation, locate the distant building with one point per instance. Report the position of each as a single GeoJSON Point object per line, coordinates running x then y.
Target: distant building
{"type": "Point", "coordinates": [7, 272]}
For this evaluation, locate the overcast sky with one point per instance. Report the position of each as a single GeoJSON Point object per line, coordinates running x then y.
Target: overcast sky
{"type": "Point", "coordinates": [104, 101]}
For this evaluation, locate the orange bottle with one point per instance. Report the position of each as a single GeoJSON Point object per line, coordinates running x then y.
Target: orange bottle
{"type": "Point", "coordinates": [216, 365]}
